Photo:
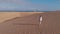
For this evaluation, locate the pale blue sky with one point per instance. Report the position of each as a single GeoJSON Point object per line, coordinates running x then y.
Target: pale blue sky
{"type": "Point", "coordinates": [43, 5]}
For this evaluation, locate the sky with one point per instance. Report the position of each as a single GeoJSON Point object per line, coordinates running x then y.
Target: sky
{"type": "Point", "coordinates": [23, 5]}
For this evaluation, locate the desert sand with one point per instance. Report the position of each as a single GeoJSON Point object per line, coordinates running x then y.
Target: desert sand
{"type": "Point", "coordinates": [31, 24]}
{"type": "Point", "coordinates": [10, 15]}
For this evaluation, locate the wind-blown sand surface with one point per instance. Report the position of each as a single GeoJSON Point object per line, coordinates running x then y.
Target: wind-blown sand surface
{"type": "Point", "coordinates": [21, 25]}
{"type": "Point", "coordinates": [29, 22]}
{"type": "Point", "coordinates": [7, 15]}
{"type": "Point", "coordinates": [10, 15]}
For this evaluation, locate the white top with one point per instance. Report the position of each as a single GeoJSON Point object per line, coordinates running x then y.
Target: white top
{"type": "Point", "coordinates": [40, 19]}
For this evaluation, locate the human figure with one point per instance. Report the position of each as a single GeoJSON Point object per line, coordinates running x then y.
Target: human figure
{"type": "Point", "coordinates": [40, 19]}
